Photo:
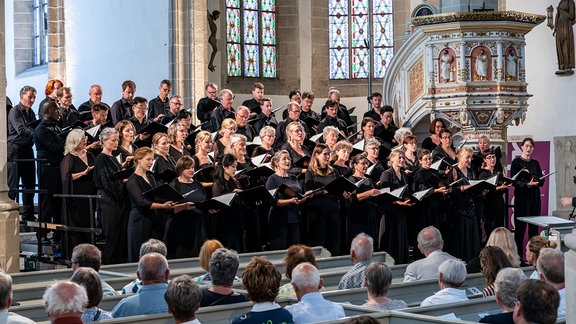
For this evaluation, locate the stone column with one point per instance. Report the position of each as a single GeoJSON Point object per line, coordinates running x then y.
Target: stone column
{"type": "Point", "coordinates": [9, 215]}
{"type": "Point", "coordinates": [56, 41]}
{"type": "Point", "coordinates": [500, 73]}
{"type": "Point", "coordinates": [570, 276]}
{"type": "Point", "coordinates": [188, 50]}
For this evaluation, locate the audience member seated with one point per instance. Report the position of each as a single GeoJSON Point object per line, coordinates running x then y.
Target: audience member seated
{"type": "Point", "coordinates": [223, 266]}
{"type": "Point", "coordinates": [205, 254]}
{"type": "Point", "coordinates": [550, 268]}
{"type": "Point", "coordinates": [502, 238]}
{"type": "Point", "coordinates": [88, 255]}
{"type": "Point", "coordinates": [364, 319]}
{"type": "Point", "coordinates": [152, 245]}
{"type": "Point", "coordinates": [533, 247]}
{"type": "Point", "coordinates": [6, 301]}
{"type": "Point", "coordinates": [295, 255]}
{"type": "Point", "coordinates": [537, 303]}
{"type": "Point", "coordinates": [262, 280]}
{"type": "Point", "coordinates": [451, 275]}
{"type": "Point", "coordinates": [430, 244]}
{"type": "Point", "coordinates": [378, 280]}
{"type": "Point", "coordinates": [361, 251]}
{"type": "Point", "coordinates": [507, 282]}
{"type": "Point", "coordinates": [183, 297]}
{"type": "Point", "coordinates": [153, 271]}
{"type": "Point", "coordinates": [90, 280]}
{"type": "Point", "coordinates": [492, 259]}
{"type": "Point", "coordinates": [64, 302]}
{"type": "Point", "coordinates": [312, 307]}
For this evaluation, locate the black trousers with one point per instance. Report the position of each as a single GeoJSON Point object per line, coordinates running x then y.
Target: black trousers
{"type": "Point", "coordinates": [22, 171]}
{"type": "Point", "coordinates": [50, 207]}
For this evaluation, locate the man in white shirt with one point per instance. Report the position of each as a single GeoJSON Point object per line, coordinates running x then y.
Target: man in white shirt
{"type": "Point", "coordinates": [312, 307]}
{"type": "Point", "coordinates": [550, 267]}
{"type": "Point", "coordinates": [452, 274]}
{"type": "Point", "coordinates": [6, 301]}
{"type": "Point", "coordinates": [430, 243]}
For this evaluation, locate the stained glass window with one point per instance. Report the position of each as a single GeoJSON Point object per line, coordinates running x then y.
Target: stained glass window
{"type": "Point", "coordinates": [350, 57]}
{"type": "Point", "coordinates": [251, 38]}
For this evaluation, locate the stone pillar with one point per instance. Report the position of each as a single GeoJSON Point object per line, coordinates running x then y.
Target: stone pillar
{"type": "Point", "coordinates": [570, 276]}
{"type": "Point", "coordinates": [188, 50]}
{"type": "Point", "coordinates": [9, 215]}
{"type": "Point", "coordinates": [500, 73]}
{"type": "Point", "coordinates": [56, 41]}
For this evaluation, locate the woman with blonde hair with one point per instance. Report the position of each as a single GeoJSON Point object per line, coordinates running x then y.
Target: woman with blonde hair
{"type": "Point", "coordinates": [341, 157]}
{"type": "Point", "coordinates": [162, 158]}
{"type": "Point", "coordinates": [533, 247]}
{"type": "Point", "coordinates": [323, 209]}
{"type": "Point", "coordinates": [177, 133]}
{"type": "Point", "coordinates": [203, 145]}
{"type": "Point", "coordinates": [395, 238]}
{"type": "Point", "coordinates": [284, 216]}
{"type": "Point", "coordinates": [227, 129]}
{"type": "Point", "coordinates": [466, 233]}
{"type": "Point", "coordinates": [295, 138]}
{"type": "Point", "coordinates": [502, 238]}
{"type": "Point", "coordinates": [144, 222]}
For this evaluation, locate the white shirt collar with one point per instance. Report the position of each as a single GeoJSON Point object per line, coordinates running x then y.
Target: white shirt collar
{"type": "Point", "coordinates": [263, 307]}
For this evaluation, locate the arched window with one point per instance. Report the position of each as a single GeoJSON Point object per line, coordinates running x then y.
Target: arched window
{"type": "Point", "coordinates": [350, 57]}
{"type": "Point", "coordinates": [251, 38]}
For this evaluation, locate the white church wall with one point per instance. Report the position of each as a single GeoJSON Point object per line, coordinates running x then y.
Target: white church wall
{"type": "Point", "coordinates": [552, 108]}
{"type": "Point", "coordinates": [107, 42]}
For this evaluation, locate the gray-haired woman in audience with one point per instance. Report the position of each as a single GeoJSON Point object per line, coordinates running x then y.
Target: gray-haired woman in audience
{"type": "Point", "coordinates": [378, 279]}
{"type": "Point", "coordinates": [223, 266]}
{"type": "Point", "coordinates": [90, 280]}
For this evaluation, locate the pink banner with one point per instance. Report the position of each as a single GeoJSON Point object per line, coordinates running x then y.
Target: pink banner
{"type": "Point", "coordinates": [542, 155]}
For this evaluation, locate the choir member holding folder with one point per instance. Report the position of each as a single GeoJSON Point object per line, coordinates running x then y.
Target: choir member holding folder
{"type": "Point", "coordinates": [495, 210]}
{"type": "Point", "coordinates": [126, 147]}
{"type": "Point", "coordinates": [465, 233]}
{"type": "Point", "coordinates": [204, 163]}
{"type": "Point", "coordinates": [185, 231]}
{"type": "Point", "coordinates": [526, 191]}
{"type": "Point", "coordinates": [294, 145]}
{"type": "Point", "coordinates": [144, 222]}
{"type": "Point", "coordinates": [164, 166]}
{"type": "Point", "coordinates": [362, 212]}
{"type": "Point", "coordinates": [229, 227]}
{"type": "Point", "coordinates": [426, 178]}
{"type": "Point", "coordinates": [284, 217]}
{"type": "Point", "coordinates": [112, 208]}
{"type": "Point", "coordinates": [395, 238]}
{"type": "Point", "coordinates": [323, 210]}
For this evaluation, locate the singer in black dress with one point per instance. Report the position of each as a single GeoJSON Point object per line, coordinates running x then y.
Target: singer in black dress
{"type": "Point", "coordinates": [526, 192]}
{"type": "Point", "coordinates": [186, 231]}
{"type": "Point", "coordinates": [113, 207]}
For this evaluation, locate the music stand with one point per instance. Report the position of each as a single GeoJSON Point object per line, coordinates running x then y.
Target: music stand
{"type": "Point", "coordinates": [547, 222]}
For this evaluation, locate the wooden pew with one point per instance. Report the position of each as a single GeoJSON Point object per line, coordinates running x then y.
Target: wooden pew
{"type": "Point", "coordinates": [35, 290]}
{"type": "Point", "coordinates": [467, 311]}
{"type": "Point", "coordinates": [115, 270]}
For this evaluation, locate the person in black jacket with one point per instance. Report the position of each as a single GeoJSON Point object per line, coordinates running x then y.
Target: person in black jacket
{"type": "Point", "coordinates": [50, 150]}
{"type": "Point", "coordinates": [203, 110]}
{"type": "Point", "coordinates": [20, 141]}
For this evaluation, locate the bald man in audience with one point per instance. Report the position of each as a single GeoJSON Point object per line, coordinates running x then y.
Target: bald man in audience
{"type": "Point", "coordinates": [153, 271]}
{"type": "Point", "coordinates": [451, 276]}
{"type": "Point", "coordinates": [6, 301]}
{"type": "Point", "coordinates": [361, 251]}
{"type": "Point", "coordinates": [152, 245]}
{"type": "Point", "coordinates": [537, 303]}
{"type": "Point", "coordinates": [550, 267]}
{"type": "Point", "coordinates": [88, 255]}
{"type": "Point", "coordinates": [64, 302]}
{"type": "Point", "coordinates": [430, 243]}
{"type": "Point", "coordinates": [312, 307]}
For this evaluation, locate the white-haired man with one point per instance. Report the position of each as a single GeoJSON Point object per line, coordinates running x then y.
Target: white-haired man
{"type": "Point", "coordinates": [550, 266]}
{"type": "Point", "coordinates": [361, 251]}
{"type": "Point", "coordinates": [65, 302]}
{"type": "Point", "coordinates": [506, 284]}
{"type": "Point", "coordinates": [312, 307]}
{"type": "Point", "coordinates": [451, 275]}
